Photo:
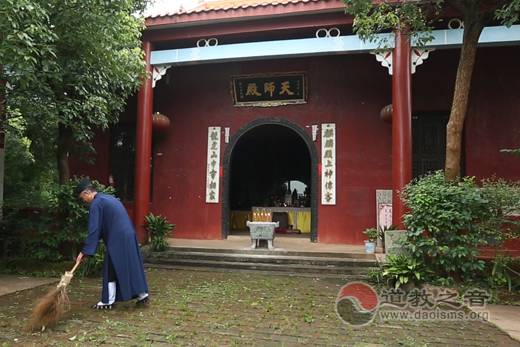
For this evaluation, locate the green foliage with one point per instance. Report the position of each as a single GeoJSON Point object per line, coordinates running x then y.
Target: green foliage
{"type": "Point", "coordinates": [69, 63]}
{"type": "Point", "coordinates": [159, 228]}
{"type": "Point", "coordinates": [503, 273]}
{"type": "Point", "coordinates": [29, 176]}
{"type": "Point", "coordinates": [509, 13]}
{"type": "Point", "coordinates": [29, 234]}
{"type": "Point", "coordinates": [417, 17]}
{"type": "Point", "coordinates": [449, 220]}
{"type": "Point", "coordinates": [72, 213]}
{"type": "Point", "coordinates": [308, 318]}
{"type": "Point", "coordinates": [51, 233]}
{"type": "Point", "coordinates": [26, 45]}
{"type": "Point", "coordinates": [401, 269]}
{"type": "Point", "coordinates": [503, 203]}
{"type": "Point", "coordinates": [99, 60]}
{"type": "Point", "coordinates": [27, 58]}
{"type": "Point", "coordinates": [34, 267]}
{"type": "Point", "coordinates": [371, 234]}
{"type": "Point", "coordinates": [375, 276]}
{"type": "Point", "coordinates": [93, 265]}
{"type": "Point", "coordinates": [387, 16]}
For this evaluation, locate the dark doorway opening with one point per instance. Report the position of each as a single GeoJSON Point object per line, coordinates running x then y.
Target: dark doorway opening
{"type": "Point", "coordinates": [270, 164]}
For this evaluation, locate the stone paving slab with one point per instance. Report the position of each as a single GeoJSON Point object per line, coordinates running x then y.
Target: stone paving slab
{"type": "Point", "coordinates": [196, 308]}
{"type": "Point", "coordinates": [12, 283]}
{"type": "Point", "coordinates": [506, 317]}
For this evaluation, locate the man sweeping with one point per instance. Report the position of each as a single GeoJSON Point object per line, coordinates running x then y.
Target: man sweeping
{"type": "Point", "coordinates": [123, 272]}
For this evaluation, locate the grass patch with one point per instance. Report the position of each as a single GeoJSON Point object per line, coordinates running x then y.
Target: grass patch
{"type": "Point", "coordinates": [36, 268]}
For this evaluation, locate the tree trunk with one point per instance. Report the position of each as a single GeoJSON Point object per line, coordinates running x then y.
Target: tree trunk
{"type": "Point", "coordinates": [472, 29]}
{"type": "Point", "coordinates": [64, 145]}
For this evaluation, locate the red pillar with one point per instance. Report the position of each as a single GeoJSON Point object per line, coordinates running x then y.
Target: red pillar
{"type": "Point", "coordinates": [143, 150]}
{"type": "Point", "coordinates": [401, 123]}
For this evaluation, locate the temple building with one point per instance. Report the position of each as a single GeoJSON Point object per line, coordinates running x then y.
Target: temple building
{"type": "Point", "coordinates": [278, 108]}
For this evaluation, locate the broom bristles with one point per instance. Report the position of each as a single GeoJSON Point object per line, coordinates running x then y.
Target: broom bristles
{"type": "Point", "coordinates": [50, 308]}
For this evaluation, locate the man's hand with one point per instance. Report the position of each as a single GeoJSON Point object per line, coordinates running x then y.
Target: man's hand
{"type": "Point", "coordinates": [79, 258]}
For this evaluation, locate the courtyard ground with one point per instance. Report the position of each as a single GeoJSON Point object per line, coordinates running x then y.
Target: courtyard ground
{"type": "Point", "coordinates": [212, 308]}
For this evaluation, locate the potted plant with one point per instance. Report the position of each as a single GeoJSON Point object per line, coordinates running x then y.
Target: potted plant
{"type": "Point", "coordinates": [370, 244]}
{"type": "Point", "coordinates": [159, 228]}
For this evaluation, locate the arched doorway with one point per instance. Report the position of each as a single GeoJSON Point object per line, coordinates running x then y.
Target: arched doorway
{"type": "Point", "coordinates": [270, 162]}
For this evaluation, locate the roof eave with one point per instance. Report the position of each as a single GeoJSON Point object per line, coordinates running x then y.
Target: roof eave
{"type": "Point", "coordinates": [243, 14]}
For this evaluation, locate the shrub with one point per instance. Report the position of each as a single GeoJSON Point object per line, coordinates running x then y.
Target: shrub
{"type": "Point", "coordinates": [503, 273]}
{"type": "Point", "coordinates": [72, 214]}
{"type": "Point", "coordinates": [375, 276]}
{"type": "Point", "coordinates": [29, 234]}
{"type": "Point", "coordinates": [53, 233]}
{"type": "Point", "coordinates": [449, 220]}
{"type": "Point", "coordinates": [400, 269]}
{"type": "Point", "coordinates": [503, 203]}
{"type": "Point", "coordinates": [159, 228]}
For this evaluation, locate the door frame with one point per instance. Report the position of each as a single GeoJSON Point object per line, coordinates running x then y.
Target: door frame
{"type": "Point", "coordinates": [227, 170]}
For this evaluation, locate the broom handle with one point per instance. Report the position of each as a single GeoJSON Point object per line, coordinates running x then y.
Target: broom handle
{"type": "Point", "coordinates": [75, 266]}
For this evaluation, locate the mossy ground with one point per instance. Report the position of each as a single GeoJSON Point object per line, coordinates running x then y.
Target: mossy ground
{"type": "Point", "coordinates": [212, 308]}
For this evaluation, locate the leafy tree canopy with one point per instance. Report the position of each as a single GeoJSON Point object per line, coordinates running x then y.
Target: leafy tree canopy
{"type": "Point", "coordinates": [69, 62]}
{"type": "Point", "coordinates": [390, 15]}
{"type": "Point", "coordinates": [373, 17]}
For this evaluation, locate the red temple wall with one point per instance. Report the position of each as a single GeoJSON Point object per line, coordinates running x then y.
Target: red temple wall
{"type": "Point", "coordinates": [493, 117]}
{"type": "Point", "coordinates": [347, 90]}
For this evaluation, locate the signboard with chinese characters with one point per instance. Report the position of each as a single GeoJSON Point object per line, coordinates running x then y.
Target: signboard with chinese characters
{"type": "Point", "coordinates": [269, 90]}
{"type": "Point", "coordinates": [383, 208]}
{"type": "Point", "coordinates": [328, 163]}
{"type": "Point", "coordinates": [213, 165]}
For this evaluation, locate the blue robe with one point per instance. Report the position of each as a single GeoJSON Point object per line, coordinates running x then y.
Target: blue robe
{"type": "Point", "coordinates": [109, 221]}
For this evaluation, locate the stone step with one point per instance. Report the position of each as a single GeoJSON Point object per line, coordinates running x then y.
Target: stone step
{"type": "Point", "coordinates": [278, 251]}
{"type": "Point", "coordinates": [347, 277]}
{"type": "Point", "coordinates": [293, 268]}
{"type": "Point", "coordinates": [264, 258]}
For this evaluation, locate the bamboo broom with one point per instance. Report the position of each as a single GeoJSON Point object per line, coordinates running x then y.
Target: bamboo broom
{"type": "Point", "coordinates": [50, 308]}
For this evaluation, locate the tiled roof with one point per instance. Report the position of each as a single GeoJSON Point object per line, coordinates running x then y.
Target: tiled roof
{"type": "Point", "coordinates": [165, 9]}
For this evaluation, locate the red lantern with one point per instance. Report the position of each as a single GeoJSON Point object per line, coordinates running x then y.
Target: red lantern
{"type": "Point", "coordinates": [160, 122]}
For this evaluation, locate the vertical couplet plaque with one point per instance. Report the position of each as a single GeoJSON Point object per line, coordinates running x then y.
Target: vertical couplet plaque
{"type": "Point", "coordinates": [213, 165]}
{"type": "Point", "coordinates": [328, 162]}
